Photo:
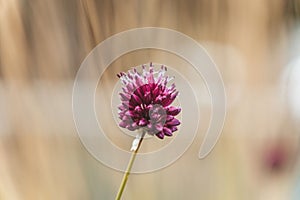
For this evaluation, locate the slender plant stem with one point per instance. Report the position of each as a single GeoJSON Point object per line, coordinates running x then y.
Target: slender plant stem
{"type": "Point", "coordinates": [129, 166]}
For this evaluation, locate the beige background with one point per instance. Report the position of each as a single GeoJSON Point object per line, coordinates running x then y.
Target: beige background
{"type": "Point", "coordinates": [42, 44]}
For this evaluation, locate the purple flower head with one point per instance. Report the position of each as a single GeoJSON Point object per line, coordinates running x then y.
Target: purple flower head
{"type": "Point", "coordinates": [146, 102]}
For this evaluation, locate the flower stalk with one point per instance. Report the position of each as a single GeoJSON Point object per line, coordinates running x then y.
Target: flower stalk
{"type": "Point", "coordinates": [129, 166]}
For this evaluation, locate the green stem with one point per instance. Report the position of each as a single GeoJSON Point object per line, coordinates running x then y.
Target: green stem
{"type": "Point", "coordinates": [129, 166]}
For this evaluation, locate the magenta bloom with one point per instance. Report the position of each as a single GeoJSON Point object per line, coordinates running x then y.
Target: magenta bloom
{"type": "Point", "coordinates": [146, 102]}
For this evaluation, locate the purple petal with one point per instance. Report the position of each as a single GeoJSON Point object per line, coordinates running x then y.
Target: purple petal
{"type": "Point", "coordinates": [124, 97]}
{"type": "Point", "coordinates": [173, 110]}
{"type": "Point", "coordinates": [135, 125]}
{"type": "Point", "coordinates": [136, 99]}
{"type": "Point", "coordinates": [174, 95]}
{"type": "Point", "coordinates": [160, 135]}
{"type": "Point", "coordinates": [174, 128]}
{"type": "Point", "coordinates": [123, 124]}
{"type": "Point", "coordinates": [174, 122]}
{"type": "Point", "coordinates": [130, 87]}
{"type": "Point", "coordinates": [159, 127]}
{"type": "Point", "coordinates": [167, 131]}
{"type": "Point", "coordinates": [142, 122]}
{"type": "Point", "coordinates": [137, 109]}
{"type": "Point", "coordinates": [126, 118]}
{"type": "Point", "coordinates": [170, 118]}
{"type": "Point", "coordinates": [167, 101]}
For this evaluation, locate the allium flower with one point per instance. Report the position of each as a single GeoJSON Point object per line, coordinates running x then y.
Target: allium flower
{"type": "Point", "coordinates": [146, 102]}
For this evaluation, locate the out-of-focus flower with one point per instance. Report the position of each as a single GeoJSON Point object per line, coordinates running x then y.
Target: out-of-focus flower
{"type": "Point", "coordinates": [146, 102]}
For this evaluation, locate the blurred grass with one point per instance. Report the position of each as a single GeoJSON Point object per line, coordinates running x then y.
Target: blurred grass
{"type": "Point", "coordinates": [42, 44]}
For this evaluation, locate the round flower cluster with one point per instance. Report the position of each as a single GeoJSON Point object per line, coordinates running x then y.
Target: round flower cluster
{"type": "Point", "coordinates": [146, 102]}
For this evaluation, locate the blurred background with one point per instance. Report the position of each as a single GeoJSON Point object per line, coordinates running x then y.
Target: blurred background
{"type": "Point", "coordinates": [256, 46]}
